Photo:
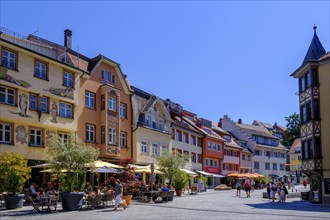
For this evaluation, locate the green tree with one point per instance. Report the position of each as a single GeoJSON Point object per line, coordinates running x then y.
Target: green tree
{"type": "Point", "coordinates": [14, 172]}
{"type": "Point", "coordinates": [169, 163]}
{"type": "Point", "coordinates": [68, 159]}
{"type": "Point", "coordinates": [293, 130]}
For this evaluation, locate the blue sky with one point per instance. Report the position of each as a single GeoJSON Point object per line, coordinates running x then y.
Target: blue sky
{"type": "Point", "coordinates": [212, 57]}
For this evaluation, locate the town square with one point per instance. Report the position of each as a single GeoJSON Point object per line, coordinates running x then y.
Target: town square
{"type": "Point", "coordinates": [164, 109]}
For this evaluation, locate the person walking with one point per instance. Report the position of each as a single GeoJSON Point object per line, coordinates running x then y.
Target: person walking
{"type": "Point", "coordinates": [268, 189]}
{"type": "Point", "coordinates": [273, 190]}
{"type": "Point", "coordinates": [118, 194]}
{"type": "Point", "coordinates": [238, 188]}
{"type": "Point", "coordinates": [247, 186]}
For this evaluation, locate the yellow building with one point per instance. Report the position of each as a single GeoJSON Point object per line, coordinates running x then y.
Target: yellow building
{"type": "Point", "coordinates": [39, 95]}
{"type": "Point", "coordinates": [314, 102]}
{"type": "Point", "coordinates": [152, 132]}
{"type": "Point", "coordinates": [295, 161]}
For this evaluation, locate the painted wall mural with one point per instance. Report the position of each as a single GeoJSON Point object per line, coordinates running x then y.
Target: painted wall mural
{"type": "Point", "coordinates": [6, 77]}
{"type": "Point", "coordinates": [53, 112]}
{"type": "Point", "coordinates": [23, 105]}
{"type": "Point", "coordinates": [21, 134]}
{"type": "Point", "coordinates": [67, 92]}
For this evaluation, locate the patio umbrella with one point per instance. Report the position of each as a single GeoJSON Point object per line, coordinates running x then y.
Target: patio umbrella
{"type": "Point", "coordinates": [145, 170]}
{"type": "Point", "coordinates": [44, 165]}
{"type": "Point", "coordinates": [52, 171]}
{"type": "Point", "coordinates": [105, 170]}
{"type": "Point", "coordinates": [100, 163]}
{"type": "Point", "coordinates": [233, 175]}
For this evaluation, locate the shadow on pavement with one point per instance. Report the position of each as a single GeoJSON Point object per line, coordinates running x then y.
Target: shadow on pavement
{"type": "Point", "coordinates": [295, 205]}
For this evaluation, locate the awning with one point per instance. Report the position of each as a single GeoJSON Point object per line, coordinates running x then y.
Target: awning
{"type": "Point", "coordinates": [191, 173]}
{"type": "Point", "coordinates": [105, 170]}
{"type": "Point", "coordinates": [210, 174]}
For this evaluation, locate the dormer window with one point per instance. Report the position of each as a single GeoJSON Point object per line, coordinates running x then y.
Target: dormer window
{"type": "Point", "coordinates": [108, 76]}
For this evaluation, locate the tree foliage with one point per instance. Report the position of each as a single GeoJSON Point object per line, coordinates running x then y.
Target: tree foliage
{"type": "Point", "coordinates": [180, 179]}
{"type": "Point", "coordinates": [169, 163]}
{"type": "Point", "coordinates": [14, 172]}
{"type": "Point", "coordinates": [293, 129]}
{"type": "Point", "coordinates": [68, 159]}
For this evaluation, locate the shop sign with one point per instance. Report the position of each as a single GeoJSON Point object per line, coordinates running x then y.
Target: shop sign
{"type": "Point", "coordinates": [212, 170]}
{"type": "Point", "coordinates": [327, 185]}
{"type": "Point", "coordinates": [200, 185]}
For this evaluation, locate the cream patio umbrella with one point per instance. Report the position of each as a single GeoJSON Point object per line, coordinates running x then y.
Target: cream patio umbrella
{"type": "Point", "coordinates": [100, 163]}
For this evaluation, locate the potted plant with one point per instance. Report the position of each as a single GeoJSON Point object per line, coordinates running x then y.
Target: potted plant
{"type": "Point", "coordinates": [180, 179]}
{"type": "Point", "coordinates": [67, 158]}
{"type": "Point", "coordinates": [14, 172]}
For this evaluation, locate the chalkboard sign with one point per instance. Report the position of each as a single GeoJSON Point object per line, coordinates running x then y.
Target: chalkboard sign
{"type": "Point", "coordinates": [327, 185]}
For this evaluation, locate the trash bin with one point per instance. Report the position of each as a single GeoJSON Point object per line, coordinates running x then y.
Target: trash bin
{"type": "Point", "coordinates": [305, 195]}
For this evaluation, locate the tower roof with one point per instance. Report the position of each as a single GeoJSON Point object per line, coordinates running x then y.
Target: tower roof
{"type": "Point", "coordinates": [315, 50]}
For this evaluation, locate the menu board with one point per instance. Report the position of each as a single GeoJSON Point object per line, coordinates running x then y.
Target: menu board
{"type": "Point", "coordinates": [327, 185]}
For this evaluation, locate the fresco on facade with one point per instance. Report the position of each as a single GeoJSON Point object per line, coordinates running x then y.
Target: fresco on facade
{"type": "Point", "coordinates": [66, 93]}
{"type": "Point", "coordinates": [21, 134]}
{"type": "Point", "coordinates": [53, 112]}
{"type": "Point", "coordinates": [23, 105]}
{"type": "Point", "coordinates": [6, 77]}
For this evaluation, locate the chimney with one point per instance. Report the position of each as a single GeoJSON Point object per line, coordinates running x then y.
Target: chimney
{"type": "Point", "coordinates": [239, 121]}
{"type": "Point", "coordinates": [67, 38]}
{"type": "Point", "coordinates": [220, 123]}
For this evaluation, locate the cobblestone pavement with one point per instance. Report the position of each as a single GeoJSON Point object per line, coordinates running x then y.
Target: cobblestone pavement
{"type": "Point", "coordinates": [206, 205]}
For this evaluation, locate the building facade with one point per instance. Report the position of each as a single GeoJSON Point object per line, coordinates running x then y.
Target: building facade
{"type": "Point", "coordinates": [186, 140]}
{"type": "Point", "coordinates": [152, 132]}
{"type": "Point", "coordinates": [295, 161]}
{"type": "Point", "coordinates": [269, 155]}
{"type": "Point", "coordinates": [314, 89]}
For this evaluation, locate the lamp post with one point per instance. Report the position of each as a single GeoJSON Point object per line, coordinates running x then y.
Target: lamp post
{"type": "Point", "coordinates": [152, 179]}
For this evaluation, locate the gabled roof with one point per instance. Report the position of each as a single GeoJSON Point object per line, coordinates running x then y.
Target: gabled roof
{"type": "Point", "coordinates": [256, 130]}
{"type": "Point", "coordinates": [315, 50]}
{"type": "Point", "coordinates": [296, 144]}
{"type": "Point", "coordinates": [177, 121]}
{"type": "Point", "coordinates": [264, 124]}
{"type": "Point", "coordinates": [206, 131]}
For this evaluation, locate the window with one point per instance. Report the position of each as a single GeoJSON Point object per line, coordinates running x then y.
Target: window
{"type": "Point", "coordinates": [316, 109]}
{"type": "Point", "coordinates": [5, 133]}
{"type": "Point", "coordinates": [206, 162]}
{"type": "Point", "coordinates": [90, 100]}
{"type": "Point", "coordinates": [308, 79]}
{"type": "Point", "coordinates": [144, 147]}
{"type": "Point", "coordinates": [267, 153]}
{"type": "Point", "coordinates": [107, 76]}
{"type": "Point", "coordinates": [65, 110]}
{"type": "Point", "coordinates": [164, 148]}
{"type": "Point", "coordinates": [67, 79]}
{"type": "Point", "coordinates": [35, 137]}
{"type": "Point", "coordinates": [199, 142]}
{"type": "Point", "coordinates": [64, 137]}
{"type": "Point", "coordinates": [209, 145]}
{"type": "Point", "coordinates": [102, 102]}
{"type": "Point", "coordinates": [160, 125]}
{"type": "Point", "coordinates": [267, 166]}
{"type": "Point", "coordinates": [102, 135]}
{"type": "Point", "coordinates": [257, 152]}
{"type": "Point", "coordinates": [193, 157]}
{"type": "Point", "coordinates": [216, 163]}
{"type": "Point", "coordinates": [90, 133]}
{"type": "Point", "coordinates": [235, 154]}
{"type": "Point", "coordinates": [7, 96]}
{"type": "Point", "coordinates": [211, 163]}
{"type": "Point", "coordinates": [302, 83]}
{"type": "Point", "coordinates": [9, 59]}
{"type": "Point", "coordinates": [153, 122]}
{"type": "Point", "coordinates": [274, 166]}
{"type": "Point", "coordinates": [112, 136]}
{"type": "Point", "coordinates": [317, 147]}
{"type": "Point", "coordinates": [147, 120]}
{"type": "Point", "coordinates": [33, 102]}
{"type": "Point", "coordinates": [243, 156]}
{"type": "Point", "coordinates": [44, 104]}
{"type": "Point", "coordinates": [185, 138]}
{"type": "Point", "coordinates": [113, 104]}
{"type": "Point", "coordinates": [123, 138]}
{"type": "Point", "coordinates": [281, 166]}
{"type": "Point", "coordinates": [227, 167]}
{"type": "Point", "coordinates": [193, 140]}
{"type": "Point", "coordinates": [40, 70]}
{"type": "Point", "coordinates": [293, 157]}
{"type": "Point", "coordinates": [249, 157]}
{"type": "Point", "coordinates": [299, 157]}
{"type": "Point", "coordinates": [199, 158]}
{"type": "Point", "coordinates": [282, 155]}
{"type": "Point", "coordinates": [155, 150]}
{"type": "Point", "coordinates": [123, 110]}
{"type": "Point", "coordinates": [178, 135]}
{"type": "Point", "coordinates": [256, 165]}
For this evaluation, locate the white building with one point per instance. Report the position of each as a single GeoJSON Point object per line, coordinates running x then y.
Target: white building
{"type": "Point", "coordinates": [269, 154]}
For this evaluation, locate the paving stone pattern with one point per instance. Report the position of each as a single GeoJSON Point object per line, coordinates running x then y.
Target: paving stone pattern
{"type": "Point", "coordinates": [207, 205]}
